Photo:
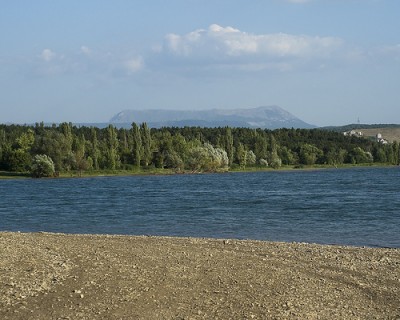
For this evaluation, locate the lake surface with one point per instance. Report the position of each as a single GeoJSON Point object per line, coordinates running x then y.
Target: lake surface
{"type": "Point", "coordinates": [359, 206]}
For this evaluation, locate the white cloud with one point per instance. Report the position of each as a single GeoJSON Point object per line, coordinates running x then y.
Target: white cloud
{"type": "Point", "coordinates": [231, 42]}
{"type": "Point", "coordinates": [134, 65]}
{"type": "Point", "coordinates": [88, 62]}
{"type": "Point", "coordinates": [47, 55]}
{"type": "Point", "coordinates": [86, 50]}
{"type": "Point", "coordinates": [391, 49]}
{"type": "Point", "coordinates": [386, 53]}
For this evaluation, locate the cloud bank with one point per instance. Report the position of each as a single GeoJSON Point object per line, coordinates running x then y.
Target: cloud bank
{"type": "Point", "coordinates": [216, 48]}
{"type": "Point", "coordinates": [228, 41]}
{"type": "Point", "coordinates": [232, 46]}
{"type": "Point", "coordinates": [85, 61]}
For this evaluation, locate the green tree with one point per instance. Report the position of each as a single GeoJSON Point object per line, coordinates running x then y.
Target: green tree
{"type": "Point", "coordinates": [94, 150]}
{"type": "Point", "coordinates": [2, 144]}
{"type": "Point", "coordinates": [146, 143]}
{"type": "Point", "coordinates": [18, 157]}
{"type": "Point", "coordinates": [207, 158]}
{"type": "Point", "coordinates": [81, 162]}
{"type": "Point", "coordinates": [273, 157]}
{"type": "Point", "coordinates": [66, 130]}
{"type": "Point", "coordinates": [137, 144]}
{"type": "Point", "coordinates": [263, 162]}
{"type": "Point", "coordinates": [379, 155]}
{"type": "Point", "coordinates": [309, 154]}
{"type": "Point", "coordinates": [287, 156]}
{"type": "Point", "coordinates": [229, 144]}
{"type": "Point", "coordinates": [162, 147]}
{"type": "Point", "coordinates": [390, 156]}
{"type": "Point", "coordinates": [125, 146]}
{"type": "Point", "coordinates": [42, 166]}
{"type": "Point", "coordinates": [26, 140]}
{"type": "Point", "coordinates": [251, 158]}
{"type": "Point", "coordinates": [198, 159]}
{"type": "Point", "coordinates": [217, 157]}
{"type": "Point", "coordinates": [261, 146]}
{"type": "Point", "coordinates": [52, 143]}
{"type": "Point", "coordinates": [358, 155]}
{"type": "Point", "coordinates": [112, 160]}
{"type": "Point", "coordinates": [16, 160]}
{"type": "Point", "coordinates": [336, 156]}
{"type": "Point", "coordinates": [396, 152]}
{"type": "Point", "coordinates": [241, 155]}
{"type": "Point", "coordinates": [180, 146]}
{"type": "Point", "coordinates": [174, 161]}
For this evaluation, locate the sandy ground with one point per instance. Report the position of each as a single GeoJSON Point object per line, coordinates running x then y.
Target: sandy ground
{"type": "Point", "coordinates": [57, 276]}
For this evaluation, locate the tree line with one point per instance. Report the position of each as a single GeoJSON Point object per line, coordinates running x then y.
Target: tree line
{"type": "Point", "coordinates": [65, 147]}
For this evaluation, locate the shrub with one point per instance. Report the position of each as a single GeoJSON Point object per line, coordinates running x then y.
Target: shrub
{"type": "Point", "coordinates": [42, 166]}
{"type": "Point", "coordinates": [263, 162]}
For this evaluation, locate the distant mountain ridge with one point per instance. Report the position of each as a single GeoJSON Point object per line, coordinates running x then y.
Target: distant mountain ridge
{"type": "Point", "coordinates": [271, 117]}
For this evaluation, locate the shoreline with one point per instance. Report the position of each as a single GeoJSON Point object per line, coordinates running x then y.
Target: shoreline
{"type": "Point", "coordinates": [55, 275]}
{"type": "Point", "coordinates": [5, 175]}
{"type": "Point", "coordinates": [121, 235]}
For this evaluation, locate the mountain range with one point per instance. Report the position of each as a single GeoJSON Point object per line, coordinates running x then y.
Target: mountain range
{"type": "Point", "coordinates": [271, 117]}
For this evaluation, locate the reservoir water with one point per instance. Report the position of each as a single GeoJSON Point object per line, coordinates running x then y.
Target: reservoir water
{"type": "Point", "coordinates": [359, 206]}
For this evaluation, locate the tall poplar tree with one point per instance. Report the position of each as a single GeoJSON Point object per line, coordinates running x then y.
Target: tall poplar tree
{"type": "Point", "coordinates": [261, 146]}
{"type": "Point", "coordinates": [137, 145]}
{"type": "Point", "coordinates": [241, 155]}
{"type": "Point", "coordinates": [274, 159]}
{"type": "Point", "coordinates": [229, 144]}
{"type": "Point", "coordinates": [66, 130]}
{"type": "Point", "coordinates": [94, 153]}
{"type": "Point", "coordinates": [2, 145]}
{"type": "Point", "coordinates": [112, 156]}
{"type": "Point", "coordinates": [396, 152]}
{"type": "Point", "coordinates": [146, 143]}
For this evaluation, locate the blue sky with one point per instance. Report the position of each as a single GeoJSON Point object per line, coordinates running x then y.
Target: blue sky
{"type": "Point", "coordinates": [329, 62]}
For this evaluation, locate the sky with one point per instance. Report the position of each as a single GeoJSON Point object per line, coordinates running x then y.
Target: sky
{"type": "Point", "coordinates": [328, 62]}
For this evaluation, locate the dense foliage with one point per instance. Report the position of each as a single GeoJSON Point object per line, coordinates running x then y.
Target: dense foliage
{"type": "Point", "coordinates": [69, 148]}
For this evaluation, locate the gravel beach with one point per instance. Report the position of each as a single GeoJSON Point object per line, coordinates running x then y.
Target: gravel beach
{"type": "Point", "coordinates": [60, 276]}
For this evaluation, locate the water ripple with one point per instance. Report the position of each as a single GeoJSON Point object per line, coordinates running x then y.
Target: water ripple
{"type": "Point", "coordinates": [354, 206]}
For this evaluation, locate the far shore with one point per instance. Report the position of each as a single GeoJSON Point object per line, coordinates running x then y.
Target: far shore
{"type": "Point", "coordinates": [154, 171]}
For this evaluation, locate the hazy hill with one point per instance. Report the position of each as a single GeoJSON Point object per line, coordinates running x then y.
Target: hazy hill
{"type": "Point", "coordinates": [271, 117]}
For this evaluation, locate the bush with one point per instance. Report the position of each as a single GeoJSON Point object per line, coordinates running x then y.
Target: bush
{"type": "Point", "coordinates": [207, 158]}
{"type": "Point", "coordinates": [42, 166]}
{"type": "Point", "coordinates": [263, 162]}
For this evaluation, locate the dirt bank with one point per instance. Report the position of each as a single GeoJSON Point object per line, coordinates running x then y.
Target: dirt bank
{"type": "Point", "coordinates": [57, 276]}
